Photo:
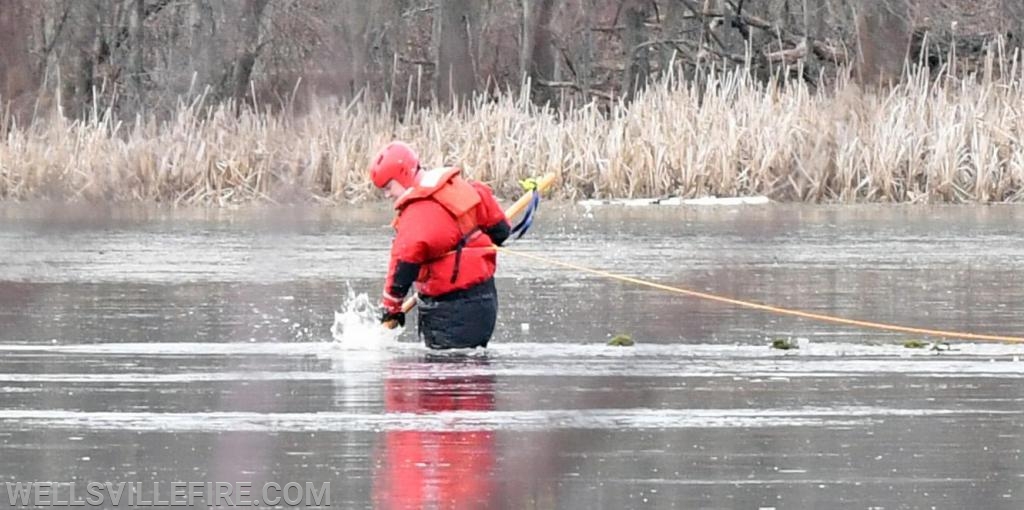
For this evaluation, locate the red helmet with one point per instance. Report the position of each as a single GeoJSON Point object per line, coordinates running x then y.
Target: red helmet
{"type": "Point", "coordinates": [396, 161]}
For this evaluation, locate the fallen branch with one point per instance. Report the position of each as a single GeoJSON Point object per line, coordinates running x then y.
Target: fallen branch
{"type": "Point", "coordinates": [575, 87]}
{"type": "Point", "coordinates": [823, 49]}
{"type": "Point", "coordinates": [790, 56]}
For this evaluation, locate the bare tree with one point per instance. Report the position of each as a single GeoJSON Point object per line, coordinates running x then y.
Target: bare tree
{"type": "Point", "coordinates": [883, 38]}
{"type": "Point", "coordinates": [135, 53]}
{"type": "Point", "coordinates": [587, 46]}
{"type": "Point", "coordinates": [455, 24]}
{"type": "Point", "coordinates": [543, 53]}
{"type": "Point", "coordinates": [673, 28]}
{"type": "Point", "coordinates": [80, 49]}
{"type": "Point", "coordinates": [249, 46]}
{"type": "Point", "coordinates": [634, 14]}
{"type": "Point", "coordinates": [202, 59]}
{"type": "Point", "coordinates": [19, 77]}
{"type": "Point", "coordinates": [136, 67]}
{"type": "Point", "coordinates": [526, 37]}
{"type": "Point", "coordinates": [538, 50]}
{"type": "Point", "coordinates": [1013, 13]}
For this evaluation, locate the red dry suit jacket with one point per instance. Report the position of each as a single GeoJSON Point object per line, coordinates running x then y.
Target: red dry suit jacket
{"type": "Point", "coordinates": [439, 213]}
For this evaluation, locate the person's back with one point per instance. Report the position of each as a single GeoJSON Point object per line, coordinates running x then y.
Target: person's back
{"type": "Point", "coordinates": [427, 231]}
{"type": "Point", "coordinates": [443, 243]}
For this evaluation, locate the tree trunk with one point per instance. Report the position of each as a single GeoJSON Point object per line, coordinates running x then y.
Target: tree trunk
{"type": "Point", "coordinates": [77, 64]}
{"type": "Point", "coordinates": [1013, 11]}
{"type": "Point", "coordinates": [526, 27]}
{"type": "Point", "coordinates": [538, 55]}
{"type": "Point", "coordinates": [544, 53]}
{"type": "Point", "coordinates": [780, 12]}
{"type": "Point", "coordinates": [136, 68]}
{"type": "Point", "coordinates": [18, 78]}
{"type": "Point", "coordinates": [252, 14]}
{"type": "Point", "coordinates": [634, 34]}
{"type": "Point", "coordinates": [454, 23]}
{"type": "Point", "coordinates": [383, 40]}
{"type": "Point", "coordinates": [674, 26]}
{"type": "Point", "coordinates": [883, 38]}
{"type": "Point", "coordinates": [202, 59]}
{"type": "Point", "coordinates": [588, 51]}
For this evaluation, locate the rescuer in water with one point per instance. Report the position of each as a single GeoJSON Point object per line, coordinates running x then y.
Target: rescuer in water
{"type": "Point", "coordinates": [445, 227]}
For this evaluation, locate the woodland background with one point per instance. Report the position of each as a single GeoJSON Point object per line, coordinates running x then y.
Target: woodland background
{"type": "Point", "coordinates": [144, 55]}
{"type": "Point", "coordinates": [227, 101]}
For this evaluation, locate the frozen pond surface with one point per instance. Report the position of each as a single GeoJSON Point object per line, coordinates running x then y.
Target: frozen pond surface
{"type": "Point", "coordinates": [140, 345]}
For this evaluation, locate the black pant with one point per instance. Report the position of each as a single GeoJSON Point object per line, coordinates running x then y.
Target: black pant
{"type": "Point", "coordinates": [460, 319]}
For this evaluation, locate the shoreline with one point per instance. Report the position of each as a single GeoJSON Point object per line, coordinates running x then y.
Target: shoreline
{"type": "Point", "coordinates": [923, 141]}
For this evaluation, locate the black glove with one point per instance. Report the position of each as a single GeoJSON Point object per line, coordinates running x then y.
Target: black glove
{"type": "Point", "coordinates": [392, 319]}
{"type": "Point", "coordinates": [499, 232]}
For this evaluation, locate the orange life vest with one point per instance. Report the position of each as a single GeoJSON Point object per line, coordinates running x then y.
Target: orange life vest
{"type": "Point", "coordinates": [448, 188]}
{"type": "Point", "coordinates": [457, 196]}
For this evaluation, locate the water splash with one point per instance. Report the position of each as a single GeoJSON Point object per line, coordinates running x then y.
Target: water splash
{"type": "Point", "coordinates": [357, 326]}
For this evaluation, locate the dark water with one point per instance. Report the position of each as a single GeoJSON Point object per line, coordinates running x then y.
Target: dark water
{"type": "Point", "coordinates": [158, 347]}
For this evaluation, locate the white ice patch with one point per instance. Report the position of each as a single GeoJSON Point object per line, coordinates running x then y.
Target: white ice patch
{"type": "Point", "coordinates": [454, 421]}
{"type": "Point", "coordinates": [356, 326]}
{"type": "Point", "coordinates": [644, 202]}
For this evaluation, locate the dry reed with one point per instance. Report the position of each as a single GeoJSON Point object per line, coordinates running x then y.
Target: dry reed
{"type": "Point", "coordinates": [928, 139]}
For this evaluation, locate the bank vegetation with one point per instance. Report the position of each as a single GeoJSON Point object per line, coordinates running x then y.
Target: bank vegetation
{"type": "Point", "coordinates": [204, 102]}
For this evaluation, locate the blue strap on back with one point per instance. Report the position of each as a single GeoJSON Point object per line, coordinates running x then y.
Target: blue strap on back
{"type": "Point", "coordinates": [524, 224]}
